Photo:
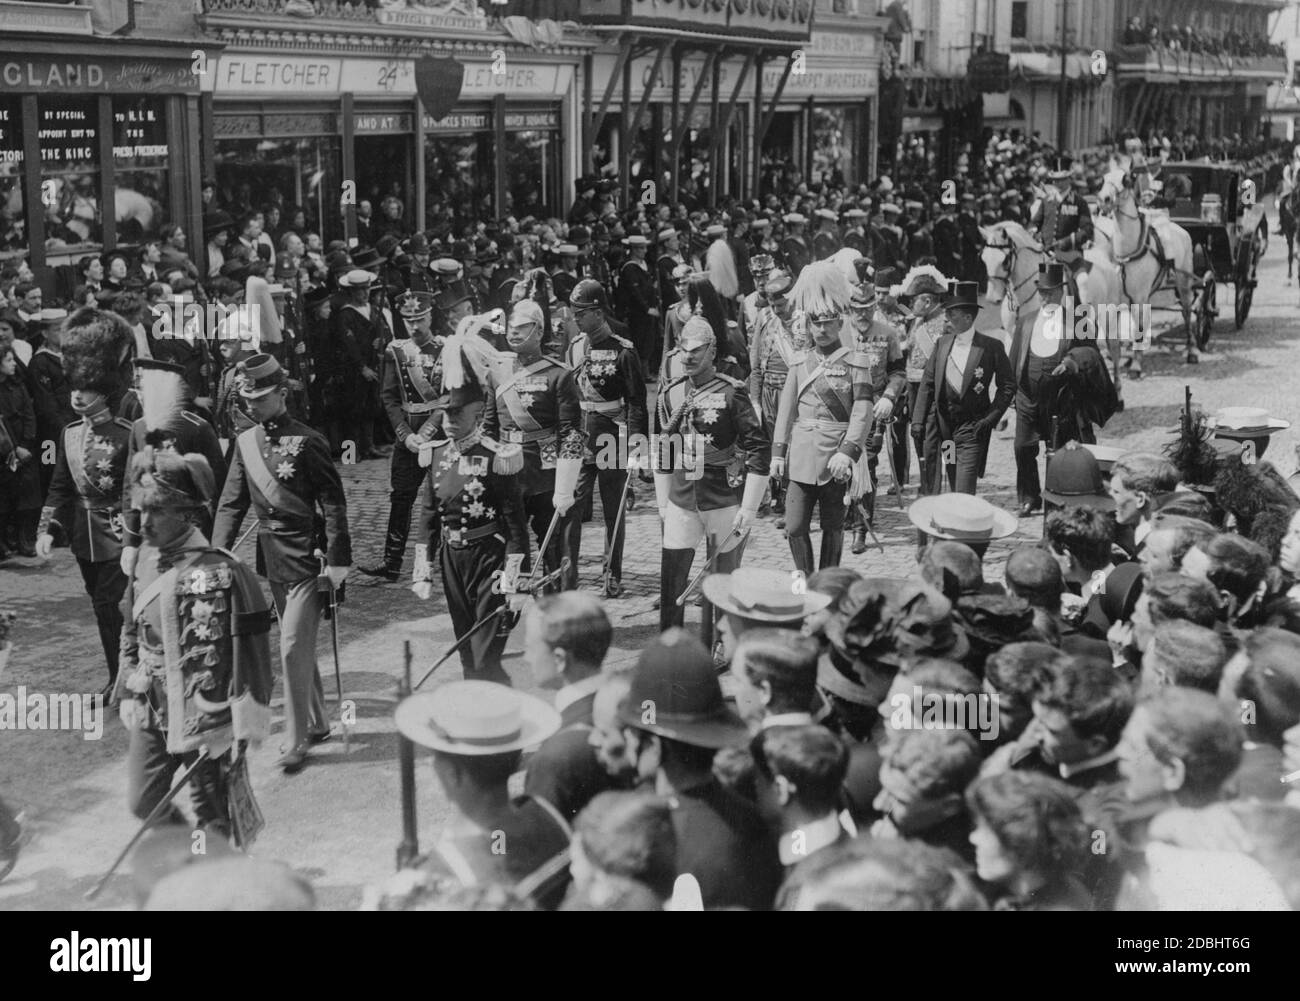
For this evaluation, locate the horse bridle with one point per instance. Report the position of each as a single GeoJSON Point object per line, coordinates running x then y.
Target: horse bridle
{"type": "Point", "coordinates": [1010, 248]}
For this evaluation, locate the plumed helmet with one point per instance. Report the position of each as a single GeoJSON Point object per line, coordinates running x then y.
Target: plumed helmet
{"type": "Point", "coordinates": [587, 293]}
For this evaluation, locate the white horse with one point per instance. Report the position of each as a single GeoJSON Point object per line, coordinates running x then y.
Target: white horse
{"type": "Point", "coordinates": [1154, 258]}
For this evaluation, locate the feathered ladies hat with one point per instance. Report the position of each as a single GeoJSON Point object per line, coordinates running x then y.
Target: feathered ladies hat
{"type": "Point", "coordinates": [96, 345]}
{"type": "Point", "coordinates": [821, 290]}
{"type": "Point", "coordinates": [161, 478]}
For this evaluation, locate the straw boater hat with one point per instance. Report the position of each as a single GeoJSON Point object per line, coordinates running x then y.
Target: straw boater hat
{"type": "Point", "coordinates": [961, 518]}
{"type": "Point", "coordinates": [358, 279]}
{"type": "Point", "coordinates": [759, 595]}
{"type": "Point", "coordinates": [475, 718]}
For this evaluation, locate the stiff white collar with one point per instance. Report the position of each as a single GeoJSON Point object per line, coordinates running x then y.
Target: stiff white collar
{"type": "Point", "coordinates": [1079, 767]}
{"type": "Point", "coordinates": [576, 692]}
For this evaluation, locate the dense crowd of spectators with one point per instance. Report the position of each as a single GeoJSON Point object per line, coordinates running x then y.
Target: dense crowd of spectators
{"type": "Point", "coordinates": [1191, 39]}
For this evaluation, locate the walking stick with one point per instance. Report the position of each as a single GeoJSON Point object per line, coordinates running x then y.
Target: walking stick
{"type": "Point", "coordinates": [154, 814]}
{"type": "Point", "coordinates": [409, 847]}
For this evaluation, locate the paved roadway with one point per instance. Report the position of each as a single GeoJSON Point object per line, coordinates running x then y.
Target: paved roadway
{"type": "Point", "coordinates": [338, 820]}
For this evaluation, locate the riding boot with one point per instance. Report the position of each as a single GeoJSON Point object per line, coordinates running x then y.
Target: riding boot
{"type": "Point", "coordinates": [399, 528]}
{"type": "Point", "coordinates": [801, 548]}
{"type": "Point", "coordinates": [674, 572]}
{"type": "Point", "coordinates": [832, 549]}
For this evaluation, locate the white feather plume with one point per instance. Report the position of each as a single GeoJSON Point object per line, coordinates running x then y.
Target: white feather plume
{"type": "Point", "coordinates": [821, 288]}
{"type": "Point", "coordinates": [466, 344]}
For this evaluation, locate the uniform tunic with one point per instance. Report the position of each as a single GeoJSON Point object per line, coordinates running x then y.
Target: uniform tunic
{"type": "Point", "coordinates": [85, 497]}
{"type": "Point", "coordinates": [537, 406]}
{"type": "Point", "coordinates": [825, 409]}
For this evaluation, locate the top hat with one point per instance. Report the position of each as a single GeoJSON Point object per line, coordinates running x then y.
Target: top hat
{"type": "Point", "coordinates": [1051, 274]}
{"type": "Point", "coordinates": [761, 595]}
{"type": "Point", "coordinates": [962, 295]}
{"type": "Point", "coordinates": [259, 376]}
{"type": "Point", "coordinates": [367, 258]}
{"type": "Point", "coordinates": [961, 518]}
{"type": "Point", "coordinates": [474, 718]}
{"type": "Point", "coordinates": [675, 694]}
{"type": "Point", "coordinates": [1074, 479]}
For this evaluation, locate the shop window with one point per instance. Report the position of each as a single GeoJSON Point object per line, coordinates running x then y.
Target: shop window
{"type": "Point", "coordinates": [532, 174]}
{"type": "Point", "coordinates": [303, 173]}
{"type": "Point", "coordinates": [459, 180]}
{"type": "Point", "coordinates": [1020, 19]}
{"type": "Point", "coordinates": [13, 215]}
{"type": "Point", "coordinates": [140, 160]}
{"type": "Point", "coordinates": [70, 173]}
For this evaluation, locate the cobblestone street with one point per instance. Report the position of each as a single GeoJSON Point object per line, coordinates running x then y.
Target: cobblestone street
{"type": "Point", "coordinates": [338, 821]}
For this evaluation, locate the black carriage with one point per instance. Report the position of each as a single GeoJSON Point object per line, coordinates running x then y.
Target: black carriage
{"type": "Point", "coordinates": [1218, 204]}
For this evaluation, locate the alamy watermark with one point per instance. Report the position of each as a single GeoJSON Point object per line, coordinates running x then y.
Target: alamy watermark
{"type": "Point", "coordinates": [1098, 321]}
{"type": "Point", "coordinates": [921, 710]}
{"type": "Point", "coordinates": [661, 453]}
{"type": "Point", "coordinates": [57, 711]}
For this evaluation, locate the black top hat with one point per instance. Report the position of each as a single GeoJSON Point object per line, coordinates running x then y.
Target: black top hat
{"type": "Point", "coordinates": [962, 295]}
{"type": "Point", "coordinates": [675, 694]}
{"type": "Point", "coordinates": [1051, 274]}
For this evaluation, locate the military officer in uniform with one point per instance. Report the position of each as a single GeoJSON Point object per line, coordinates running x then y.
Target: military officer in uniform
{"type": "Point", "coordinates": [761, 267]}
{"type": "Point", "coordinates": [612, 389]}
{"type": "Point", "coordinates": [283, 470]}
{"type": "Point", "coordinates": [196, 657]}
{"type": "Point", "coordinates": [85, 496]}
{"type": "Point", "coordinates": [1064, 224]}
{"type": "Point", "coordinates": [955, 401]}
{"type": "Point", "coordinates": [533, 402]}
{"type": "Point", "coordinates": [824, 420]}
{"type": "Point", "coordinates": [675, 318]}
{"type": "Point", "coordinates": [410, 393]}
{"type": "Point", "coordinates": [472, 519]}
{"type": "Point", "coordinates": [1056, 376]}
{"type": "Point", "coordinates": [670, 256]}
{"type": "Point", "coordinates": [705, 421]}
{"type": "Point", "coordinates": [774, 346]}
{"type": "Point", "coordinates": [794, 248]}
{"type": "Point", "coordinates": [923, 291]}
{"type": "Point", "coordinates": [881, 343]}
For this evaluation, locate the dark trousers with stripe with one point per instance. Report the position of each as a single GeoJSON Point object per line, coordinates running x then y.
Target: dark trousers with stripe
{"type": "Point", "coordinates": [611, 483]}
{"type": "Point", "coordinates": [404, 479]}
{"type": "Point", "coordinates": [105, 583]}
{"type": "Point", "coordinates": [467, 585]}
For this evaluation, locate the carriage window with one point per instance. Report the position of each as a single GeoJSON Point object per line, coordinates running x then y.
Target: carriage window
{"type": "Point", "coordinates": [140, 162]}
{"type": "Point", "coordinates": [13, 217]}
{"type": "Point", "coordinates": [69, 141]}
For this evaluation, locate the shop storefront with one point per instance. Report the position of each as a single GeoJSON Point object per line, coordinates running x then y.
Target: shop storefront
{"type": "Point", "coordinates": [355, 130]}
{"type": "Point", "coordinates": [96, 152]}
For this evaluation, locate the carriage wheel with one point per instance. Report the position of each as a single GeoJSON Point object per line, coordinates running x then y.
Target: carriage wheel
{"type": "Point", "coordinates": [1247, 259]}
{"type": "Point", "coordinates": [1207, 308]}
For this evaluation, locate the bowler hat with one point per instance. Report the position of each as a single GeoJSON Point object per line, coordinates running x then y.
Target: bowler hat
{"type": "Point", "coordinates": [259, 376]}
{"type": "Point", "coordinates": [675, 694]}
{"type": "Point", "coordinates": [1074, 479]}
{"type": "Point", "coordinates": [761, 595]}
{"type": "Point", "coordinates": [474, 718]}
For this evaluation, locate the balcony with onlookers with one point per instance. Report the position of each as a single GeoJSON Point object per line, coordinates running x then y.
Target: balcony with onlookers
{"type": "Point", "coordinates": [1149, 48]}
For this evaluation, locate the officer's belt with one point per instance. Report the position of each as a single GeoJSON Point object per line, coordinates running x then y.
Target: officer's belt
{"type": "Point", "coordinates": [602, 406]}
{"type": "Point", "coordinates": [775, 380]}
{"type": "Point", "coordinates": [719, 456]}
{"type": "Point", "coordinates": [820, 424]}
{"type": "Point", "coordinates": [517, 437]}
{"type": "Point", "coordinates": [461, 537]}
{"type": "Point", "coordinates": [110, 504]}
{"type": "Point", "coordinates": [415, 409]}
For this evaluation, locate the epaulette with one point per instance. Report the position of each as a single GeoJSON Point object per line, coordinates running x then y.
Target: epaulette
{"type": "Point", "coordinates": [193, 418]}
{"type": "Point", "coordinates": [625, 342]}
{"type": "Point", "coordinates": [122, 422]}
{"type": "Point", "coordinates": [736, 383]}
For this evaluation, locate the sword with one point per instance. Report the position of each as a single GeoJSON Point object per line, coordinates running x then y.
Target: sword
{"type": "Point", "coordinates": [334, 639]}
{"type": "Point", "coordinates": [886, 446]}
{"type": "Point", "coordinates": [708, 565]}
{"type": "Point", "coordinates": [154, 814]}
{"type": "Point", "coordinates": [409, 847]}
{"type": "Point", "coordinates": [541, 556]}
{"type": "Point", "coordinates": [240, 541]}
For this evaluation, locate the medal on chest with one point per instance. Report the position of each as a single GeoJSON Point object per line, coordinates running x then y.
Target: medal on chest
{"type": "Point", "coordinates": [708, 406]}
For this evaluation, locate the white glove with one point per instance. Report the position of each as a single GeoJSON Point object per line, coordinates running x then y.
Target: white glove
{"type": "Point", "coordinates": [128, 558]}
{"type": "Point", "coordinates": [45, 546]}
{"type": "Point", "coordinates": [337, 575]}
{"type": "Point", "coordinates": [132, 713]}
{"type": "Point", "coordinates": [413, 442]}
{"type": "Point", "coordinates": [755, 488]}
{"type": "Point", "coordinates": [423, 589]}
{"type": "Point", "coordinates": [562, 503]}
{"type": "Point", "coordinates": [840, 467]}
{"type": "Point", "coordinates": [883, 409]}
{"type": "Point", "coordinates": [778, 469]}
